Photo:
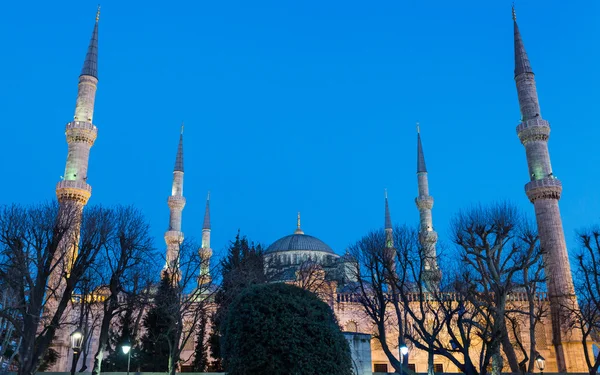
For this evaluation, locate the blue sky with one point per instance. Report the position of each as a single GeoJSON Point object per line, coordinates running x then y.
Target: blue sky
{"type": "Point", "coordinates": [301, 106]}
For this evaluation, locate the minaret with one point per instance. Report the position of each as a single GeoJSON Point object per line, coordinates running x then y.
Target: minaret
{"type": "Point", "coordinates": [389, 231]}
{"type": "Point", "coordinates": [544, 191]}
{"type": "Point", "coordinates": [427, 236]}
{"type": "Point", "coordinates": [205, 250]}
{"type": "Point", "coordinates": [73, 191]}
{"type": "Point", "coordinates": [390, 251]}
{"type": "Point", "coordinates": [174, 236]}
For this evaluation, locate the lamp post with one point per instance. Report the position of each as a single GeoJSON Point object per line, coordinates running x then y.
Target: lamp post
{"type": "Point", "coordinates": [126, 347]}
{"type": "Point", "coordinates": [403, 352]}
{"type": "Point", "coordinates": [541, 363]}
{"type": "Point", "coordinates": [76, 342]}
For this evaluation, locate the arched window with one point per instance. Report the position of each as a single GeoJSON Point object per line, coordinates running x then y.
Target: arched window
{"type": "Point", "coordinates": [351, 326]}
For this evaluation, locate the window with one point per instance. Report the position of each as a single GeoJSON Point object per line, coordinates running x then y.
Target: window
{"type": "Point", "coordinates": [438, 367]}
{"type": "Point", "coordinates": [411, 367]}
{"type": "Point", "coordinates": [351, 327]}
{"type": "Point", "coordinates": [380, 367]}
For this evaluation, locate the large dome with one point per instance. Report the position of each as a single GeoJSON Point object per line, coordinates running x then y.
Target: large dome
{"type": "Point", "coordinates": [299, 241]}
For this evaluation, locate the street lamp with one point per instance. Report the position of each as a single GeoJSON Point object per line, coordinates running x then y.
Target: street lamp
{"type": "Point", "coordinates": [403, 353]}
{"type": "Point", "coordinates": [76, 343]}
{"type": "Point", "coordinates": [126, 347]}
{"type": "Point", "coordinates": [541, 363]}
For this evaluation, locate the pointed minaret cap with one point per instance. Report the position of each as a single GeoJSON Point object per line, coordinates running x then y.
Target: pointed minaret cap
{"type": "Point", "coordinates": [298, 229]}
{"type": "Point", "coordinates": [522, 64]}
{"type": "Point", "coordinates": [206, 224]}
{"type": "Point", "coordinates": [421, 167]}
{"type": "Point", "coordinates": [388, 217]}
{"type": "Point", "coordinates": [90, 65]}
{"type": "Point", "coordinates": [179, 158]}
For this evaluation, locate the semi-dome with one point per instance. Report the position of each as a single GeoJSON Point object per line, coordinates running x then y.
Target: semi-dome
{"type": "Point", "coordinates": [297, 241]}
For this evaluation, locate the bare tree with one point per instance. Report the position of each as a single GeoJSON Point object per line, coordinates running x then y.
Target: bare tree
{"type": "Point", "coordinates": [39, 264]}
{"type": "Point", "coordinates": [587, 316]}
{"type": "Point", "coordinates": [496, 244]}
{"type": "Point", "coordinates": [373, 288]}
{"type": "Point", "coordinates": [129, 249]}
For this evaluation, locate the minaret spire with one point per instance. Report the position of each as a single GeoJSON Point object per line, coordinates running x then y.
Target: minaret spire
{"type": "Point", "coordinates": [205, 250]}
{"type": "Point", "coordinates": [544, 191]}
{"type": "Point", "coordinates": [421, 167]}
{"type": "Point", "coordinates": [389, 238]}
{"type": "Point", "coordinates": [174, 235]}
{"type": "Point", "coordinates": [73, 190]}
{"type": "Point", "coordinates": [427, 236]}
{"type": "Point", "coordinates": [90, 64]}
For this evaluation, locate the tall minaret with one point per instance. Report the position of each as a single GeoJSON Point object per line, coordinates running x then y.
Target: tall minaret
{"type": "Point", "coordinates": [73, 190]}
{"type": "Point", "coordinates": [427, 236]}
{"type": "Point", "coordinates": [544, 191]}
{"type": "Point", "coordinates": [205, 250]}
{"type": "Point", "coordinates": [174, 236]}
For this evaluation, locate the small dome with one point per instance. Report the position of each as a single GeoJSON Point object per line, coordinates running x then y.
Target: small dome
{"type": "Point", "coordinates": [298, 241]}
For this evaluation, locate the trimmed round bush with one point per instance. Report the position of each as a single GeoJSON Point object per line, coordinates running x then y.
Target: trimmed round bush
{"type": "Point", "coordinates": [278, 329]}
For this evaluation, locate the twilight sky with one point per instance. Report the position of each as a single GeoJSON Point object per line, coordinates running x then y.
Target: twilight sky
{"type": "Point", "coordinates": [301, 106]}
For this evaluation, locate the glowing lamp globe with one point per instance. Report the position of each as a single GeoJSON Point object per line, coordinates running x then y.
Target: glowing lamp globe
{"type": "Point", "coordinates": [76, 340]}
{"type": "Point", "coordinates": [540, 362]}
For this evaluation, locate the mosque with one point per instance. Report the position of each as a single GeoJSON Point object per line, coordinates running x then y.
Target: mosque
{"type": "Point", "coordinates": [292, 253]}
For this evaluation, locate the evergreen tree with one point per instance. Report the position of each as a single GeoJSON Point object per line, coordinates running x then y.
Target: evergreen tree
{"type": "Point", "coordinates": [200, 363]}
{"type": "Point", "coordinates": [242, 267]}
{"type": "Point", "coordinates": [158, 325]}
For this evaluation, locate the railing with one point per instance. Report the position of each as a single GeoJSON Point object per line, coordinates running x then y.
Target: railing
{"type": "Point", "coordinates": [416, 297]}
{"type": "Point", "coordinates": [532, 123]}
{"type": "Point", "coordinates": [74, 184]}
{"type": "Point", "coordinates": [81, 125]}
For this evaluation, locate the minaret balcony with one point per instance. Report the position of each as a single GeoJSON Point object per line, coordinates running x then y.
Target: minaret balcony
{"type": "Point", "coordinates": [81, 131]}
{"type": "Point", "coordinates": [73, 190]}
{"type": "Point", "coordinates": [545, 188]}
{"type": "Point", "coordinates": [535, 129]}
{"type": "Point", "coordinates": [424, 202]}
{"type": "Point", "coordinates": [173, 237]}
{"type": "Point", "coordinates": [176, 202]}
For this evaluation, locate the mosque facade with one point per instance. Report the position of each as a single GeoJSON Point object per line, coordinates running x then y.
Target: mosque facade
{"type": "Point", "coordinates": [293, 256]}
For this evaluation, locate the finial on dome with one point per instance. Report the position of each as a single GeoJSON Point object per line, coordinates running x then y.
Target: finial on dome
{"type": "Point", "coordinates": [514, 13]}
{"type": "Point", "coordinates": [181, 127]}
{"type": "Point", "coordinates": [298, 229]}
{"type": "Point", "coordinates": [385, 193]}
{"type": "Point", "coordinates": [98, 14]}
{"type": "Point", "coordinates": [418, 128]}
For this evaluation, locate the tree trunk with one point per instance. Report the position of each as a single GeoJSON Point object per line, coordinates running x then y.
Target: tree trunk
{"type": "Point", "coordinates": [102, 342]}
{"type": "Point", "coordinates": [430, 365]}
{"type": "Point", "coordinates": [509, 351]}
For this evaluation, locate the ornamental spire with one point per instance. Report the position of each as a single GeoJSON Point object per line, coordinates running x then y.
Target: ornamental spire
{"type": "Point", "coordinates": [298, 229]}
{"type": "Point", "coordinates": [421, 167]}
{"type": "Point", "coordinates": [522, 64]}
{"type": "Point", "coordinates": [206, 224]}
{"type": "Point", "coordinates": [179, 158]}
{"type": "Point", "coordinates": [90, 64]}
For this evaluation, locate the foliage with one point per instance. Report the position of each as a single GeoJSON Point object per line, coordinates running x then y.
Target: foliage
{"type": "Point", "coordinates": [50, 358]}
{"type": "Point", "coordinates": [154, 353]}
{"type": "Point", "coordinates": [282, 329]}
{"type": "Point", "coordinates": [200, 363]}
{"type": "Point", "coordinates": [242, 267]}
